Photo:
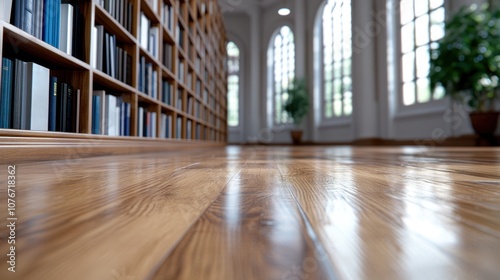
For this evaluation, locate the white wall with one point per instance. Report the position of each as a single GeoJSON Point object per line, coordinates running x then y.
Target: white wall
{"type": "Point", "coordinates": [374, 115]}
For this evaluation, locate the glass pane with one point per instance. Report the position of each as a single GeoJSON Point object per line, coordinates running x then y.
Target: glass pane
{"type": "Point", "coordinates": [328, 73]}
{"type": "Point", "coordinates": [328, 91]}
{"type": "Point", "coordinates": [423, 61]}
{"type": "Point", "coordinates": [409, 93]}
{"type": "Point", "coordinates": [408, 67]}
{"type": "Point", "coordinates": [408, 37]}
{"type": "Point", "coordinates": [406, 10]}
{"type": "Point", "coordinates": [424, 91]}
{"type": "Point", "coordinates": [347, 67]}
{"type": "Point", "coordinates": [437, 24]}
{"type": "Point", "coordinates": [347, 83]}
{"type": "Point", "coordinates": [439, 93]}
{"type": "Point", "coordinates": [337, 86]}
{"type": "Point", "coordinates": [436, 3]}
{"type": "Point", "coordinates": [422, 30]}
{"type": "Point", "coordinates": [328, 109]}
{"type": "Point", "coordinates": [337, 108]}
{"type": "Point", "coordinates": [337, 70]}
{"type": "Point", "coordinates": [421, 7]}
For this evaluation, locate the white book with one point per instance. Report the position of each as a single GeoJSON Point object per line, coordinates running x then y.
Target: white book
{"type": "Point", "coordinates": [66, 29]}
{"type": "Point", "coordinates": [141, 122]}
{"type": "Point", "coordinates": [155, 34]}
{"type": "Point", "coordinates": [100, 47]}
{"type": "Point", "coordinates": [5, 10]}
{"type": "Point", "coordinates": [169, 131]}
{"type": "Point", "coordinates": [110, 128]}
{"type": "Point", "coordinates": [144, 31]}
{"type": "Point", "coordinates": [155, 5]}
{"type": "Point", "coordinates": [163, 123]}
{"type": "Point", "coordinates": [93, 51]}
{"type": "Point", "coordinates": [153, 124]}
{"type": "Point", "coordinates": [118, 114]}
{"type": "Point", "coordinates": [38, 80]}
{"type": "Point", "coordinates": [102, 95]}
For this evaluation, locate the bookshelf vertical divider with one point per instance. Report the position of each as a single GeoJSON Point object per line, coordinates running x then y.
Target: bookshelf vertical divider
{"type": "Point", "coordinates": [185, 53]}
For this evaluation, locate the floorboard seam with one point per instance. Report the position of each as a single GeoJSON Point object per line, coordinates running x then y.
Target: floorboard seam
{"type": "Point", "coordinates": [320, 249]}
{"type": "Point", "coordinates": [172, 248]}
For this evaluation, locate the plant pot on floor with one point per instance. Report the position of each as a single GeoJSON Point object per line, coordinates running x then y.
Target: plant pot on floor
{"type": "Point", "coordinates": [296, 136]}
{"type": "Point", "coordinates": [485, 125]}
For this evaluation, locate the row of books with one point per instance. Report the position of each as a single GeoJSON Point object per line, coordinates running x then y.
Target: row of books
{"type": "Point", "coordinates": [165, 126]}
{"type": "Point", "coordinates": [168, 16]}
{"type": "Point", "coordinates": [168, 54]}
{"type": "Point", "coordinates": [148, 78]}
{"type": "Point", "coordinates": [58, 23]}
{"type": "Point", "coordinates": [120, 10]}
{"type": "Point", "coordinates": [179, 35]}
{"type": "Point", "coordinates": [149, 36]}
{"type": "Point", "coordinates": [167, 92]}
{"type": "Point", "coordinates": [189, 130]}
{"type": "Point", "coordinates": [146, 123]}
{"type": "Point", "coordinates": [110, 114]}
{"type": "Point", "coordinates": [110, 58]}
{"type": "Point", "coordinates": [33, 100]}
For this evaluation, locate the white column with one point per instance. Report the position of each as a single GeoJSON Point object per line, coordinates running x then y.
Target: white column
{"type": "Point", "coordinates": [254, 114]}
{"type": "Point", "coordinates": [299, 13]}
{"type": "Point", "coordinates": [365, 30]}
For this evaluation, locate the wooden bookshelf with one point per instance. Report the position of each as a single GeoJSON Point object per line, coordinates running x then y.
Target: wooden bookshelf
{"type": "Point", "coordinates": [195, 72]}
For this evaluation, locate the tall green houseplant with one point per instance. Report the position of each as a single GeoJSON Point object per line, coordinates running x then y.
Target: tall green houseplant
{"type": "Point", "coordinates": [297, 104]}
{"type": "Point", "coordinates": [467, 59]}
{"type": "Point", "coordinates": [467, 63]}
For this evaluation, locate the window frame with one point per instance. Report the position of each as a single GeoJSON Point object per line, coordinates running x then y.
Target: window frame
{"type": "Point", "coordinates": [240, 82]}
{"type": "Point", "coordinates": [396, 70]}
{"type": "Point", "coordinates": [271, 82]}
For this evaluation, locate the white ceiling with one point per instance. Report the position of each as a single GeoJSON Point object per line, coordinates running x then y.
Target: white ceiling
{"type": "Point", "coordinates": [235, 6]}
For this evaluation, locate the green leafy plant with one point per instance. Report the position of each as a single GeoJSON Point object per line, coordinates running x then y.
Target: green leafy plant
{"type": "Point", "coordinates": [467, 59]}
{"type": "Point", "coordinates": [297, 104]}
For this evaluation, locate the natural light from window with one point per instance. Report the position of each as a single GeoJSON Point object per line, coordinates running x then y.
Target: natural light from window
{"type": "Point", "coordinates": [422, 24]}
{"type": "Point", "coordinates": [233, 84]}
{"type": "Point", "coordinates": [337, 59]}
{"type": "Point", "coordinates": [283, 56]}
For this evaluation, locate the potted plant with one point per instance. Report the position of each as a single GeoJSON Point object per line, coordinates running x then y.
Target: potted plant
{"type": "Point", "coordinates": [297, 106]}
{"type": "Point", "coordinates": [467, 63]}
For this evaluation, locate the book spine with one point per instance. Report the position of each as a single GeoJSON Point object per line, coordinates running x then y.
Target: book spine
{"type": "Point", "coordinates": [53, 104]}
{"type": "Point", "coordinates": [127, 119]}
{"type": "Point", "coordinates": [66, 29]}
{"type": "Point", "coordinates": [6, 93]}
{"type": "Point", "coordinates": [37, 99]}
{"type": "Point", "coordinates": [70, 122]}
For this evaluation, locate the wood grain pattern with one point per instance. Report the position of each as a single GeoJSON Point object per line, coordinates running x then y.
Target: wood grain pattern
{"type": "Point", "coordinates": [259, 213]}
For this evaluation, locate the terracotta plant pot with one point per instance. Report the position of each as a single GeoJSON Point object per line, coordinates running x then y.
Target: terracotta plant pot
{"type": "Point", "coordinates": [485, 125]}
{"type": "Point", "coordinates": [296, 136]}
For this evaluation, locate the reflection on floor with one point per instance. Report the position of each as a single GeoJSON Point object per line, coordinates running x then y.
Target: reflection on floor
{"type": "Point", "coordinates": [259, 213]}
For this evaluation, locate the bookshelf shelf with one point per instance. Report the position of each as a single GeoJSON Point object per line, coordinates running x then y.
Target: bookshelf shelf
{"type": "Point", "coordinates": [154, 58]}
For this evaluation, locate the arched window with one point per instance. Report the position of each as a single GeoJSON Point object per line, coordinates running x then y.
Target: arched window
{"type": "Point", "coordinates": [282, 60]}
{"type": "Point", "coordinates": [233, 85]}
{"type": "Point", "coordinates": [336, 36]}
{"type": "Point", "coordinates": [421, 24]}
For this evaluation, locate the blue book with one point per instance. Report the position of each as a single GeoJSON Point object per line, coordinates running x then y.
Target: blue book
{"type": "Point", "coordinates": [53, 104]}
{"type": "Point", "coordinates": [6, 93]}
{"type": "Point", "coordinates": [127, 119]}
{"type": "Point", "coordinates": [57, 23]}
{"type": "Point", "coordinates": [96, 114]}
{"type": "Point", "coordinates": [48, 7]}
{"type": "Point", "coordinates": [123, 116]}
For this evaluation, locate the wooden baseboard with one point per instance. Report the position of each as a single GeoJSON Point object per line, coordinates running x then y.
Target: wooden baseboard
{"type": "Point", "coordinates": [25, 146]}
{"type": "Point", "coordinates": [462, 141]}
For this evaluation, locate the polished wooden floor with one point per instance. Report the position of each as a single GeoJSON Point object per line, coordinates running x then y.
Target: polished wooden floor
{"type": "Point", "coordinates": [258, 213]}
